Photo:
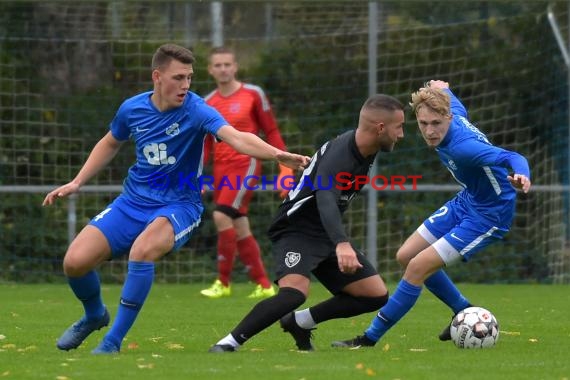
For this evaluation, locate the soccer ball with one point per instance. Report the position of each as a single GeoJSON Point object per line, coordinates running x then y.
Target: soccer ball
{"type": "Point", "coordinates": [474, 327]}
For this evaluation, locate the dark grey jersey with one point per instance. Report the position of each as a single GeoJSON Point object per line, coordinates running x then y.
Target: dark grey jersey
{"type": "Point", "coordinates": [323, 192]}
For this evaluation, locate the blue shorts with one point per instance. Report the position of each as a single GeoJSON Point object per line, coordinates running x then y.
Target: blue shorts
{"type": "Point", "coordinates": [123, 221]}
{"type": "Point", "coordinates": [457, 231]}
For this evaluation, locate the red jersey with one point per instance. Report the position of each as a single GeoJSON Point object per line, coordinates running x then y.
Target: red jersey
{"type": "Point", "coordinates": [247, 110]}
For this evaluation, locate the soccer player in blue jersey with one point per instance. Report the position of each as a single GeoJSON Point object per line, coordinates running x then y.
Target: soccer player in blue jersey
{"type": "Point", "coordinates": [477, 216]}
{"type": "Point", "coordinates": [160, 206]}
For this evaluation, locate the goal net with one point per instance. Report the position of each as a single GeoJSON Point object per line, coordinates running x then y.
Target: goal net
{"type": "Point", "coordinates": [65, 68]}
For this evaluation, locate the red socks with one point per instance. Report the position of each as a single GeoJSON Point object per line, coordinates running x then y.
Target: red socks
{"type": "Point", "coordinates": [250, 254]}
{"type": "Point", "coordinates": [226, 254]}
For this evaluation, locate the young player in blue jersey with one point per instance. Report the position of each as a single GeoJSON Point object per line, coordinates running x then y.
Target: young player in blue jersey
{"type": "Point", "coordinates": [160, 206]}
{"type": "Point", "coordinates": [477, 216]}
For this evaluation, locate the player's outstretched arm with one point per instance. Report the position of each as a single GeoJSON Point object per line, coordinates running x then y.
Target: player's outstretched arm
{"type": "Point", "coordinates": [457, 108]}
{"type": "Point", "coordinates": [284, 180]}
{"type": "Point", "coordinates": [437, 84]}
{"type": "Point", "coordinates": [100, 156]}
{"type": "Point", "coordinates": [252, 145]}
{"type": "Point", "coordinates": [520, 181]}
{"type": "Point", "coordinates": [518, 164]}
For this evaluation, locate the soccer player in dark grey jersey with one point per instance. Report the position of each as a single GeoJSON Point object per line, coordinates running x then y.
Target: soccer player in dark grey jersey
{"type": "Point", "coordinates": [308, 235]}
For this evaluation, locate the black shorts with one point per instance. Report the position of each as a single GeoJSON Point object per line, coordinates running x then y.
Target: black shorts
{"type": "Point", "coordinates": [300, 254]}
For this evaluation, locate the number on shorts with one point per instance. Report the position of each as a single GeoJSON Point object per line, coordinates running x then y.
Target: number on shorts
{"type": "Point", "coordinates": [441, 212]}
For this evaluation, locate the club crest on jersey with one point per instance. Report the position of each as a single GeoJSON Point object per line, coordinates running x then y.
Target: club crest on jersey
{"type": "Point", "coordinates": [235, 107]}
{"type": "Point", "coordinates": [292, 259]}
{"type": "Point", "coordinates": [173, 130]}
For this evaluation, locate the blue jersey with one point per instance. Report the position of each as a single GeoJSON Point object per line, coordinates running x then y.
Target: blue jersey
{"type": "Point", "coordinates": [168, 146]}
{"type": "Point", "coordinates": [480, 167]}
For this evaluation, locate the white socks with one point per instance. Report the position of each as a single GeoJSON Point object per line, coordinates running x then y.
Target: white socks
{"type": "Point", "coordinates": [304, 319]}
{"type": "Point", "coordinates": [229, 339]}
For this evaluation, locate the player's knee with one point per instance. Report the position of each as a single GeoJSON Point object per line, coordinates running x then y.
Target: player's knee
{"type": "Point", "coordinates": [293, 297]}
{"type": "Point", "coordinates": [147, 252]}
{"type": "Point", "coordinates": [417, 271]}
{"type": "Point", "coordinates": [73, 267]}
{"type": "Point", "coordinates": [403, 257]}
{"type": "Point", "coordinates": [227, 211]}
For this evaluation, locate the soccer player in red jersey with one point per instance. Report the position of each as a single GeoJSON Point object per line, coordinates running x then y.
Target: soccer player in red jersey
{"type": "Point", "coordinates": [247, 109]}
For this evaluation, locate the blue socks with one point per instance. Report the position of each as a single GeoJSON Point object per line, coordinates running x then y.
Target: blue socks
{"type": "Point", "coordinates": [398, 305]}
{"type": "Point", "coordinates": [139, 280]}
{"type": "Point", "coordinates": [88, 290]}
{"type": "Point", "coordinates": [444, 289]}
{"type": "Point", "coordinates": [406, 296]}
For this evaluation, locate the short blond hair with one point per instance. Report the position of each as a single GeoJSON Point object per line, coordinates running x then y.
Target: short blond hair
{"type": "Point", "coordinates": [435, 99]}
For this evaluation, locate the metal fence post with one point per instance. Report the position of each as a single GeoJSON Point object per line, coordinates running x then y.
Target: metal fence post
{"type": "Point", "coordinates": [71, 217]}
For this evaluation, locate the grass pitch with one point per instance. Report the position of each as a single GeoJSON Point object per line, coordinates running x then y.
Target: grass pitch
{"type": "Point", "coordinates": [176, 327]}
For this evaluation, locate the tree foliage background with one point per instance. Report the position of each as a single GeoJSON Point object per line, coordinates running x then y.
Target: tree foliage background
{"type": "Point", "coordinates": [65, 68]}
